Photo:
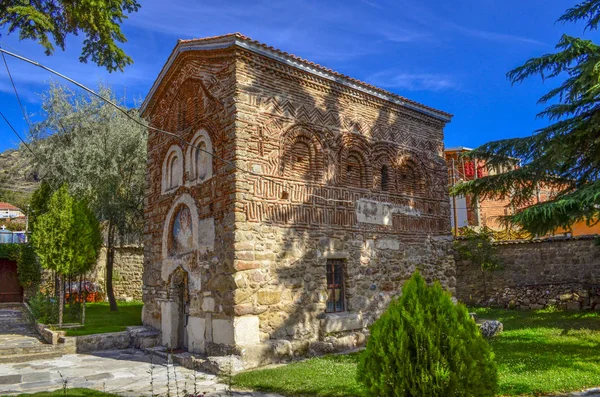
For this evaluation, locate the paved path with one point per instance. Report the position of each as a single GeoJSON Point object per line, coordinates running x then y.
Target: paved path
{"type": "Point", "coordinates": [15, 329]}
{"type": "Point", "coordinates": [124, 372]}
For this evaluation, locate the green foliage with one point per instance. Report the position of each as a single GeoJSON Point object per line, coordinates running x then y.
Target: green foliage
{"type": "Point", "coordinates": [101, 155]}
{"type": "Point", "coordinates": [44, 308]}
{"type": "Point", "coordinates": [67, 237]}
{"type": "Point", "coordinates": [97, 151]}
{"type": "Point", "coordinates": [52, 236]}
{"type": "Point", "coordinates": [10, 251]}
{"type": "Point", "coordinates": [39, 203]}
{"type": "Point", "coordinates": [99, 319]}
{"type": "Point", "coordinates": [425, 345]}
{"type": "Point", "coordinates": [538, 354]}
{"type": "Point", "coordinates": [50, 21]}
{"type": "Point", "coordinates": [565, 155]}
{"type": "Point", "coordinates": [477, 247]}
{"type": "Point", "coordinates": [29, 269]}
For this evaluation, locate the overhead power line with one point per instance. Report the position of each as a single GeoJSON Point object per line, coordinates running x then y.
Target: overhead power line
{"type": "Point", "coordinates": [171, 134]}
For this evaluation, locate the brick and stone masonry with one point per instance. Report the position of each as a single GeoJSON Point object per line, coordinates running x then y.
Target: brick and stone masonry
{"type": "Point", "coordinates": [305, 202]}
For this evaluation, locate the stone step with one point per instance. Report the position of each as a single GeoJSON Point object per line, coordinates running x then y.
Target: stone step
{"type": "Point", "coordinates": [50, 351]}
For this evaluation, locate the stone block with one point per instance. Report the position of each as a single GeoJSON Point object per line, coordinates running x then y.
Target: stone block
{"type": "Point", "coordinates": [337, 322]}
{"type": "Point", "coordinates": [388, 244]}
{"type": "Point", "coordinates": [246, 330]}
{"type": "Point", "coordinates": [300, 347]}
{"type": "Point", "coordinates": [267, 297]}
{"type": "Point", "coordinates": [573, 306]}
{"type": "Point", "coordinates": [222, 331]}
{"type": "Point", "coordinates": [490, 328]}
{"type": "Point", "coordinates": [195, 330]}
{"type": "Point", "coordinates": [318, 347]}
{"type": "Point", "coordinates": [208, 304]}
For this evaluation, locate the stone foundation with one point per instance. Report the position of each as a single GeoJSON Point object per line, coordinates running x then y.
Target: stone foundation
{"type": "Point", "coordinates": [302, 203]}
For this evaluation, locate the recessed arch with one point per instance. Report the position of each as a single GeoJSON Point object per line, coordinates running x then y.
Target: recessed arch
{"type": "Point", "coordinates": [303, 156]}
{"type": "Point", "coordinates": [172, 170]}
{"type": "Point", "coordinates": [199, 158]}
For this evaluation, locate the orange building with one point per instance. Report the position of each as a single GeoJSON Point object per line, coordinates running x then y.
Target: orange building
{"type": "Point", "coordinates": [465, 211]}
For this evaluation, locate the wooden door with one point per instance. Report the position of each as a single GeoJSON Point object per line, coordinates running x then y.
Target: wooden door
{"type": "Point", "coordinates": [10, 289]}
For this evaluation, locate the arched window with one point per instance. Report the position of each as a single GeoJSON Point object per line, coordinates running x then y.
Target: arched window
{"type": "Point", "coordinates": [199, 158]}
{"type": "Point", "coordinates": [355, 171]}
{"type": "Point", "coordinates": [172, 170]}
{"type": "Point", "coordinates": [301, 159]}
{"type": "Point", "coordinates": [303, 155]}
{"type": "Point", "coordinates": [385, 178]}
{"type": "Point", "coordinates": [410, 180]}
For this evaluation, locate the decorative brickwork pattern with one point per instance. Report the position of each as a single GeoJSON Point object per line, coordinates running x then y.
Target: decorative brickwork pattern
{"type": "Point", "coordinates": [315, 170]}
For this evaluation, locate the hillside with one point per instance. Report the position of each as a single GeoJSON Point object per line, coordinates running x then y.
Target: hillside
{"type": "Point", "coordinates": [17, 179]}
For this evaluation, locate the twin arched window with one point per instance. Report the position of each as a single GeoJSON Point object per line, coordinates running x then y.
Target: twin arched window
{"type": "Point", "coordinates": [199, 158]}
{"type": "Point", "coordinates": [198, 163]}
{"type": "Point", "coordinates": [172, 170]}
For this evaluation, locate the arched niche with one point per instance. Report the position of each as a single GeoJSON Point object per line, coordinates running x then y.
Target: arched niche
{"type": "Point", "coordinates": [303, 156]}
{"type": "Point", "coordinates": [172, 170]}
{"type": "Point", "coordinates": [199, 158]}
{"type": "Point", "coordinates": [180, 231]}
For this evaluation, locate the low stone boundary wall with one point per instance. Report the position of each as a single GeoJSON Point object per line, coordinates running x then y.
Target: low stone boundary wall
{"type": "Point", "coordinates": [138, 337]}
{"type": "Point", "coordinates": [560, 272]}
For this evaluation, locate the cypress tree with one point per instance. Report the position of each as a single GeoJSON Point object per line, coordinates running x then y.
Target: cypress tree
{"type": "Point", "coordinates": [425, 345]}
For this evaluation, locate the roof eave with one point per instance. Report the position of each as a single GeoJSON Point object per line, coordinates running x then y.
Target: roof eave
{"type": "Point", "coordinates": [231, 40]}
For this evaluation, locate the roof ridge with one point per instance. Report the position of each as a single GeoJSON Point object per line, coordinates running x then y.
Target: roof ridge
{"type": "Point", "coordinates": [315, 65]}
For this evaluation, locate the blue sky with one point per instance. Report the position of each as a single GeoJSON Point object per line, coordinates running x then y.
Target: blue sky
{"type": "Point", "coordinates": [451, 55]}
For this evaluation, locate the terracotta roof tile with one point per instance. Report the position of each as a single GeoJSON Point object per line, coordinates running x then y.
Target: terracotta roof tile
{"type": "Point", "coordinates": [8, 206]}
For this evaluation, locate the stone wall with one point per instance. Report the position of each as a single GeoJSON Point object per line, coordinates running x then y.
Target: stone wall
{"type": "Point", "coordinates": [561, 272]}
{"type": "Point", "coordinates": [127, 275]}
{"type": "Point", "coordinates": [127, 272]}
{"type": "Point", "coordinates": [323, 171]}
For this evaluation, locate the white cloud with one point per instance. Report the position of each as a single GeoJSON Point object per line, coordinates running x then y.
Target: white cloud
{"type": "Point", "coordinates": [412, 81]}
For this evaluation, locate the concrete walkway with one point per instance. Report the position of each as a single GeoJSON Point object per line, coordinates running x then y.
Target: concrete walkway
{"type": "Point", "coordinates": [124, 372]}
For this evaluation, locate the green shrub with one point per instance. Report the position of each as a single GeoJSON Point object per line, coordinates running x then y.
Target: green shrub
{"type": "Point", "coordinates": [425, 345]}
{"type": "Point", "coordinates": [44, 308]}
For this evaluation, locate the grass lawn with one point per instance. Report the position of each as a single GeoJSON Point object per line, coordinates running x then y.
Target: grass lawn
{"type": "Point", "coordinates": [99, 318]}
{"type": "Point", "coordinates": [69, 393]}
{"type": "Point", "coordinates": [538, 352]}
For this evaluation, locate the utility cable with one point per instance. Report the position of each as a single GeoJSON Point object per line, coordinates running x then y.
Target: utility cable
{"type": "Point", "coordinates": [16, 92]}
{"type": "Point", "coordinates": [180, 139]}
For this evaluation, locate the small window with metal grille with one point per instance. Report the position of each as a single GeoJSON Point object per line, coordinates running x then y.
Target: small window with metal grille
{"type": "Point", "coordinates": [335, 286]}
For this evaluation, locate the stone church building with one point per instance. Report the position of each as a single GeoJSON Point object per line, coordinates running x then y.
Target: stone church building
{"type": "Point", "coordinates": [290, 204]}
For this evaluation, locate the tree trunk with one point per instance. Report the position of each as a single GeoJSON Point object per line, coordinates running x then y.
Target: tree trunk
{"type": "Point", "coordinates": [110, 257]}
{"type": "Point", "coordinates": [61, 300]}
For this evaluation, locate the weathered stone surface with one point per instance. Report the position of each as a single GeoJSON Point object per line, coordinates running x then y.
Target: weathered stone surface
{"type": "Point", "coordinates": [344, 182]}
{"type": "Point", "coordinates": [561, 272]}
{"type": "Point", "coordinates": [490, 328]}
{"type": "Point", "coordinates": [108, 341]}
{"type": "Point", "coordinates": [337, 322]}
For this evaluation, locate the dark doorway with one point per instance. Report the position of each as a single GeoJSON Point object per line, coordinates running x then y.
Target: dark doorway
{"type": "Point", "coordinates": [10, 289]}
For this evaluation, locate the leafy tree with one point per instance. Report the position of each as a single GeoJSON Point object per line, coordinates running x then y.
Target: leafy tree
{"type": "Point", "coordinates": [426, 346]}
{"type": "Point", "coordinates": [52, 238]}
{"type": "Point", "coordinates": [101, 154]}
{"type": "Point", "coordinates": [50, 21]}
{"type": "Point", "coordinates": [38, 204]}
{"type": "Point", "coordinates": [66, 238]}
{"type": "Point", "coordinates": [565, 155]}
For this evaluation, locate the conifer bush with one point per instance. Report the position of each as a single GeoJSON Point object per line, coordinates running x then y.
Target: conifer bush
{"type": "Point", "coordinates": [425, 345]}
